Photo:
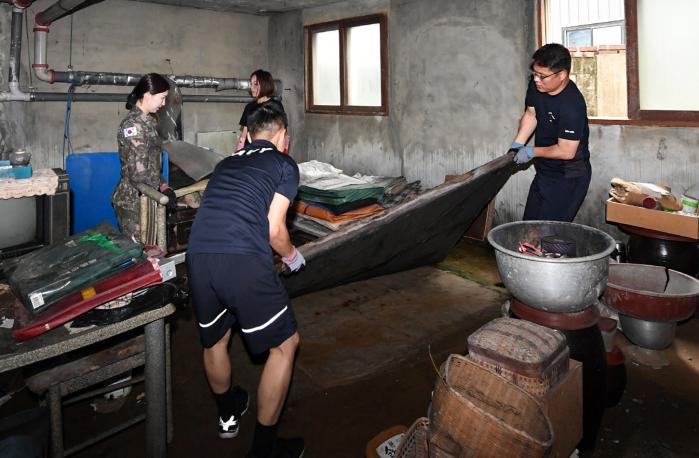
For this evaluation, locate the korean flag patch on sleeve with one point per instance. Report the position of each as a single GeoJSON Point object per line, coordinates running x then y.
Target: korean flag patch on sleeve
{"type": "Point", "coordinates": [130, 132]}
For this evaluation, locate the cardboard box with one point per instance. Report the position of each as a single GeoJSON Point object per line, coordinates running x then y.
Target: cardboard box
{"type": "Point", "coordinates": [563, 405]}
{"type": "Point", "coordinates": [657, 220]}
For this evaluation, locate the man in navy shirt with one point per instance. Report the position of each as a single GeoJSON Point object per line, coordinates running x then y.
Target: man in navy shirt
{"type": "Point", "coordinates": [556, 111]}
{"type": "Point", "coordinates": [241, 221]}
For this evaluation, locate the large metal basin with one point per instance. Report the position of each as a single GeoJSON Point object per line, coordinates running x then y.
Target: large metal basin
{"type": "Point", "coordinates": [651, 292]}
{"type": "Point", "coordinates": [556, 285]}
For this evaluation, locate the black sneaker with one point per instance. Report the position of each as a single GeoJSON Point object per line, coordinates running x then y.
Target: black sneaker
{"type": "Point", "coordinates": [229, 428]}
{"type": "Point", "coordinates": [284, 448]}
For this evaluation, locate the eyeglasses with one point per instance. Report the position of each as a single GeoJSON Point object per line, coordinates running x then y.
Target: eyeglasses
{"type": "Point", "coordinates": [541, 77]}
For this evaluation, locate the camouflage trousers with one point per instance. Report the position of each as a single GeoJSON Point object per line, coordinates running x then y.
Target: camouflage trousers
{"type": "Point", "coordinates": [129, 218]}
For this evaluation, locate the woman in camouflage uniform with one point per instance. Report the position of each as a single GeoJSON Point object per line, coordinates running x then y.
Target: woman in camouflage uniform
{"type": "Point", "coordinates": [140, 150]}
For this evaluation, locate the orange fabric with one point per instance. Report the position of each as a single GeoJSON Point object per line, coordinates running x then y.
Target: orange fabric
{"type": "Point", "coordinates": [317, 212]}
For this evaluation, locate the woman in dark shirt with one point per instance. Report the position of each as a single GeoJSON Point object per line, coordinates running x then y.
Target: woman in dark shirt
{"type": "Point", "coordinates": [262, 88]}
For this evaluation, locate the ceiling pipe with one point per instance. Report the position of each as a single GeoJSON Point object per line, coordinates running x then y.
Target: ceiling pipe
{"type": "Point", "coordinates": [78, 78]}
{"type": "Point", "coordinates": [57, 10]}
{"type": "Point", "coordinates": [97, 97]}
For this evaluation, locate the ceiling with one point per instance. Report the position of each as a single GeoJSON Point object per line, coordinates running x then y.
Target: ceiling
{"type": "Point", "coordinates": [246, 6]}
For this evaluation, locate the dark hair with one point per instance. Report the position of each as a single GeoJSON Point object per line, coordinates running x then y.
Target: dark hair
{"type": "Point", "coordinates": [269, 116]}
{"type": "Point", "coordinates": [152, 83]}
{"type": "Point", "coordinates": [552, 56]}
{"type": "Point", "coordinates": [266, 82]}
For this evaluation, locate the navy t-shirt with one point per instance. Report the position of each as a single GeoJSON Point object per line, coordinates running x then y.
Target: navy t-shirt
{"type": "Point", "coordinates": [563, 115]}
{"type": "Point", "coordinates": [232, 217]}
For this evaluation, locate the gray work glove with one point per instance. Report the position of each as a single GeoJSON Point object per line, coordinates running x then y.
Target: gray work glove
{"type": "Point", "coordinates": [524, 155]}
{"type": "Point", "coordinates": [295, 261]}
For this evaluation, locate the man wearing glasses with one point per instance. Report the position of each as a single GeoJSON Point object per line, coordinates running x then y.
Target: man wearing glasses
{"type": "Point", "coordinates": [556, 112]}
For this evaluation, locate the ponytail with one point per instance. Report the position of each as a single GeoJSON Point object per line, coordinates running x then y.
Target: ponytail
{"type": "Point", "coordinates": [132, 99]}
{"type": "Point", "coordinates": [153, 83]}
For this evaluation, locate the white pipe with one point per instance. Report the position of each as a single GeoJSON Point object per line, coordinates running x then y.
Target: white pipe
{"type": "Point", "coordinates": [41, 68]}
{"type": "Point", "coordinates": [15, 94]}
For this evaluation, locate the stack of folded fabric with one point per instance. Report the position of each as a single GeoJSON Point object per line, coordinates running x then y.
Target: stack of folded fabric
{"type": "Point", "coordinates": [327, 198]}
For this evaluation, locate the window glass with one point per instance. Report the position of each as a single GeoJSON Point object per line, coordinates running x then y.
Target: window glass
{"type": "Point", "coordinates": [607, 35]}
{"type": "Point", "coordinates": [326, 68]}
{"type": "Point", "coordinates": [667, 55]}
{"type": "Point", "coordinates": [579, 38]}
{"type": "Point", "coordinates": [599, 68]}
{"type": "Point", "coordinates": [640, 65]}
{"type": "Point", "coordinates": [364, 65]}
{"type": "Point", "coordinates": [347, 66]}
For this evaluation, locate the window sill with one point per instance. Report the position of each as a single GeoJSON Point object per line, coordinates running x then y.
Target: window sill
{"type": "Point", "coordinates": [643, 122]}
{"type": "Point", "coordinates": [346, 112]}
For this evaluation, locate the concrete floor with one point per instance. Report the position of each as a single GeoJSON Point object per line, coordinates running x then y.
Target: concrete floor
{"type": "Point", "coordinates": [366, 364]}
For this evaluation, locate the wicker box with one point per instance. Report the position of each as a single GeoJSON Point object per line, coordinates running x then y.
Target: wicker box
{"type": "Point", "coordinates": [415, 443]}
{"type": "Point", "coordinates": [531, 356]}
{"type": "Point", "coordinates": [476, 413]}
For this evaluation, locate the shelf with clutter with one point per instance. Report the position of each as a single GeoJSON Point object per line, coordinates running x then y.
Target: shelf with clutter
{"type": "Point", "coordinates": [654, 207]}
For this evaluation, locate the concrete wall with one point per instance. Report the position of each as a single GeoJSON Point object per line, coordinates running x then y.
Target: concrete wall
{"type": "Point", "coordinates": [286, 63]}
{"type": "Point", "coordinates": [121, 36]}
{"type": "Point", "coordinates": [458, 73]}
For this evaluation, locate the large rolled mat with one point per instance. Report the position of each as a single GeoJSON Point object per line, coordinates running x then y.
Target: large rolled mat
{"type": "Point", "coordinates": [476, 413]}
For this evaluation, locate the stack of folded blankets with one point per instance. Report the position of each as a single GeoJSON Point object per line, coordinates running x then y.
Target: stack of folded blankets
{"type": "Point", "coordinates": [328, 199]}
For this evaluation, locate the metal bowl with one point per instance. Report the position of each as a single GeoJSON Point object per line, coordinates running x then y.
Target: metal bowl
{"type": "Point", "coordinates": [561, 285]}
{"type": "Point", "coordinates": [655, 335]}
{"type": "Point", "coordinates": [651, 293]}
{"type": "Point", "coordinates": [20, 157]}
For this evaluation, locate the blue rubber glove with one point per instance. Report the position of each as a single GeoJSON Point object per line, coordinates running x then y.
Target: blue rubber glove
{"type": "Point", "coordinates": [516, 145]}
{"type": "Point", "coordinates": [295, 261]}
{"type": "Point", "coordinates": [524, 155]}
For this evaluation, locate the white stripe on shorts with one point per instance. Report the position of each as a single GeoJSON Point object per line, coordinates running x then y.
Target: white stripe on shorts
{"type": "Point", "coordinates": [262, 326]}
{"type": "Point", "coordinates": [214, 320]}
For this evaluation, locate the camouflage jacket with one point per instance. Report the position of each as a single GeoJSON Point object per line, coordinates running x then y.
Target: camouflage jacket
{"type": "Point", "coordinates": [140, 155]}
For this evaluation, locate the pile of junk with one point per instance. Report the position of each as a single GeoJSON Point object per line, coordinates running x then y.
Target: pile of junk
{"type": "Point", "coordinates": [536, 381]}
{"type": "Point", "coordinates": [95, 277]}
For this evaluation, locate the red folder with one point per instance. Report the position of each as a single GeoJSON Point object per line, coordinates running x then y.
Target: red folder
{"type": "Point", "coordinates": [143, 273]}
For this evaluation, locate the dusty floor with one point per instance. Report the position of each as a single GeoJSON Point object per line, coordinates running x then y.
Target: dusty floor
{"type": "Point", "coordinates": [365, 365]}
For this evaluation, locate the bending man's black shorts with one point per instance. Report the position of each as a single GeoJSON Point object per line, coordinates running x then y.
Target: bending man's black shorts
{"type": "Point", "coordinates": [233, 288]}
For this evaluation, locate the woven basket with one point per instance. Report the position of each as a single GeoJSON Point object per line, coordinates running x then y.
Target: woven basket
{"type": "Point", "coordinates": [476, 413]}
{"type": "Point", "coordinates": [532, 357]}
{"type": "Point", "coordinates": [533, 385]}
{"type": "Point", "coordinates": [416, 440]}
